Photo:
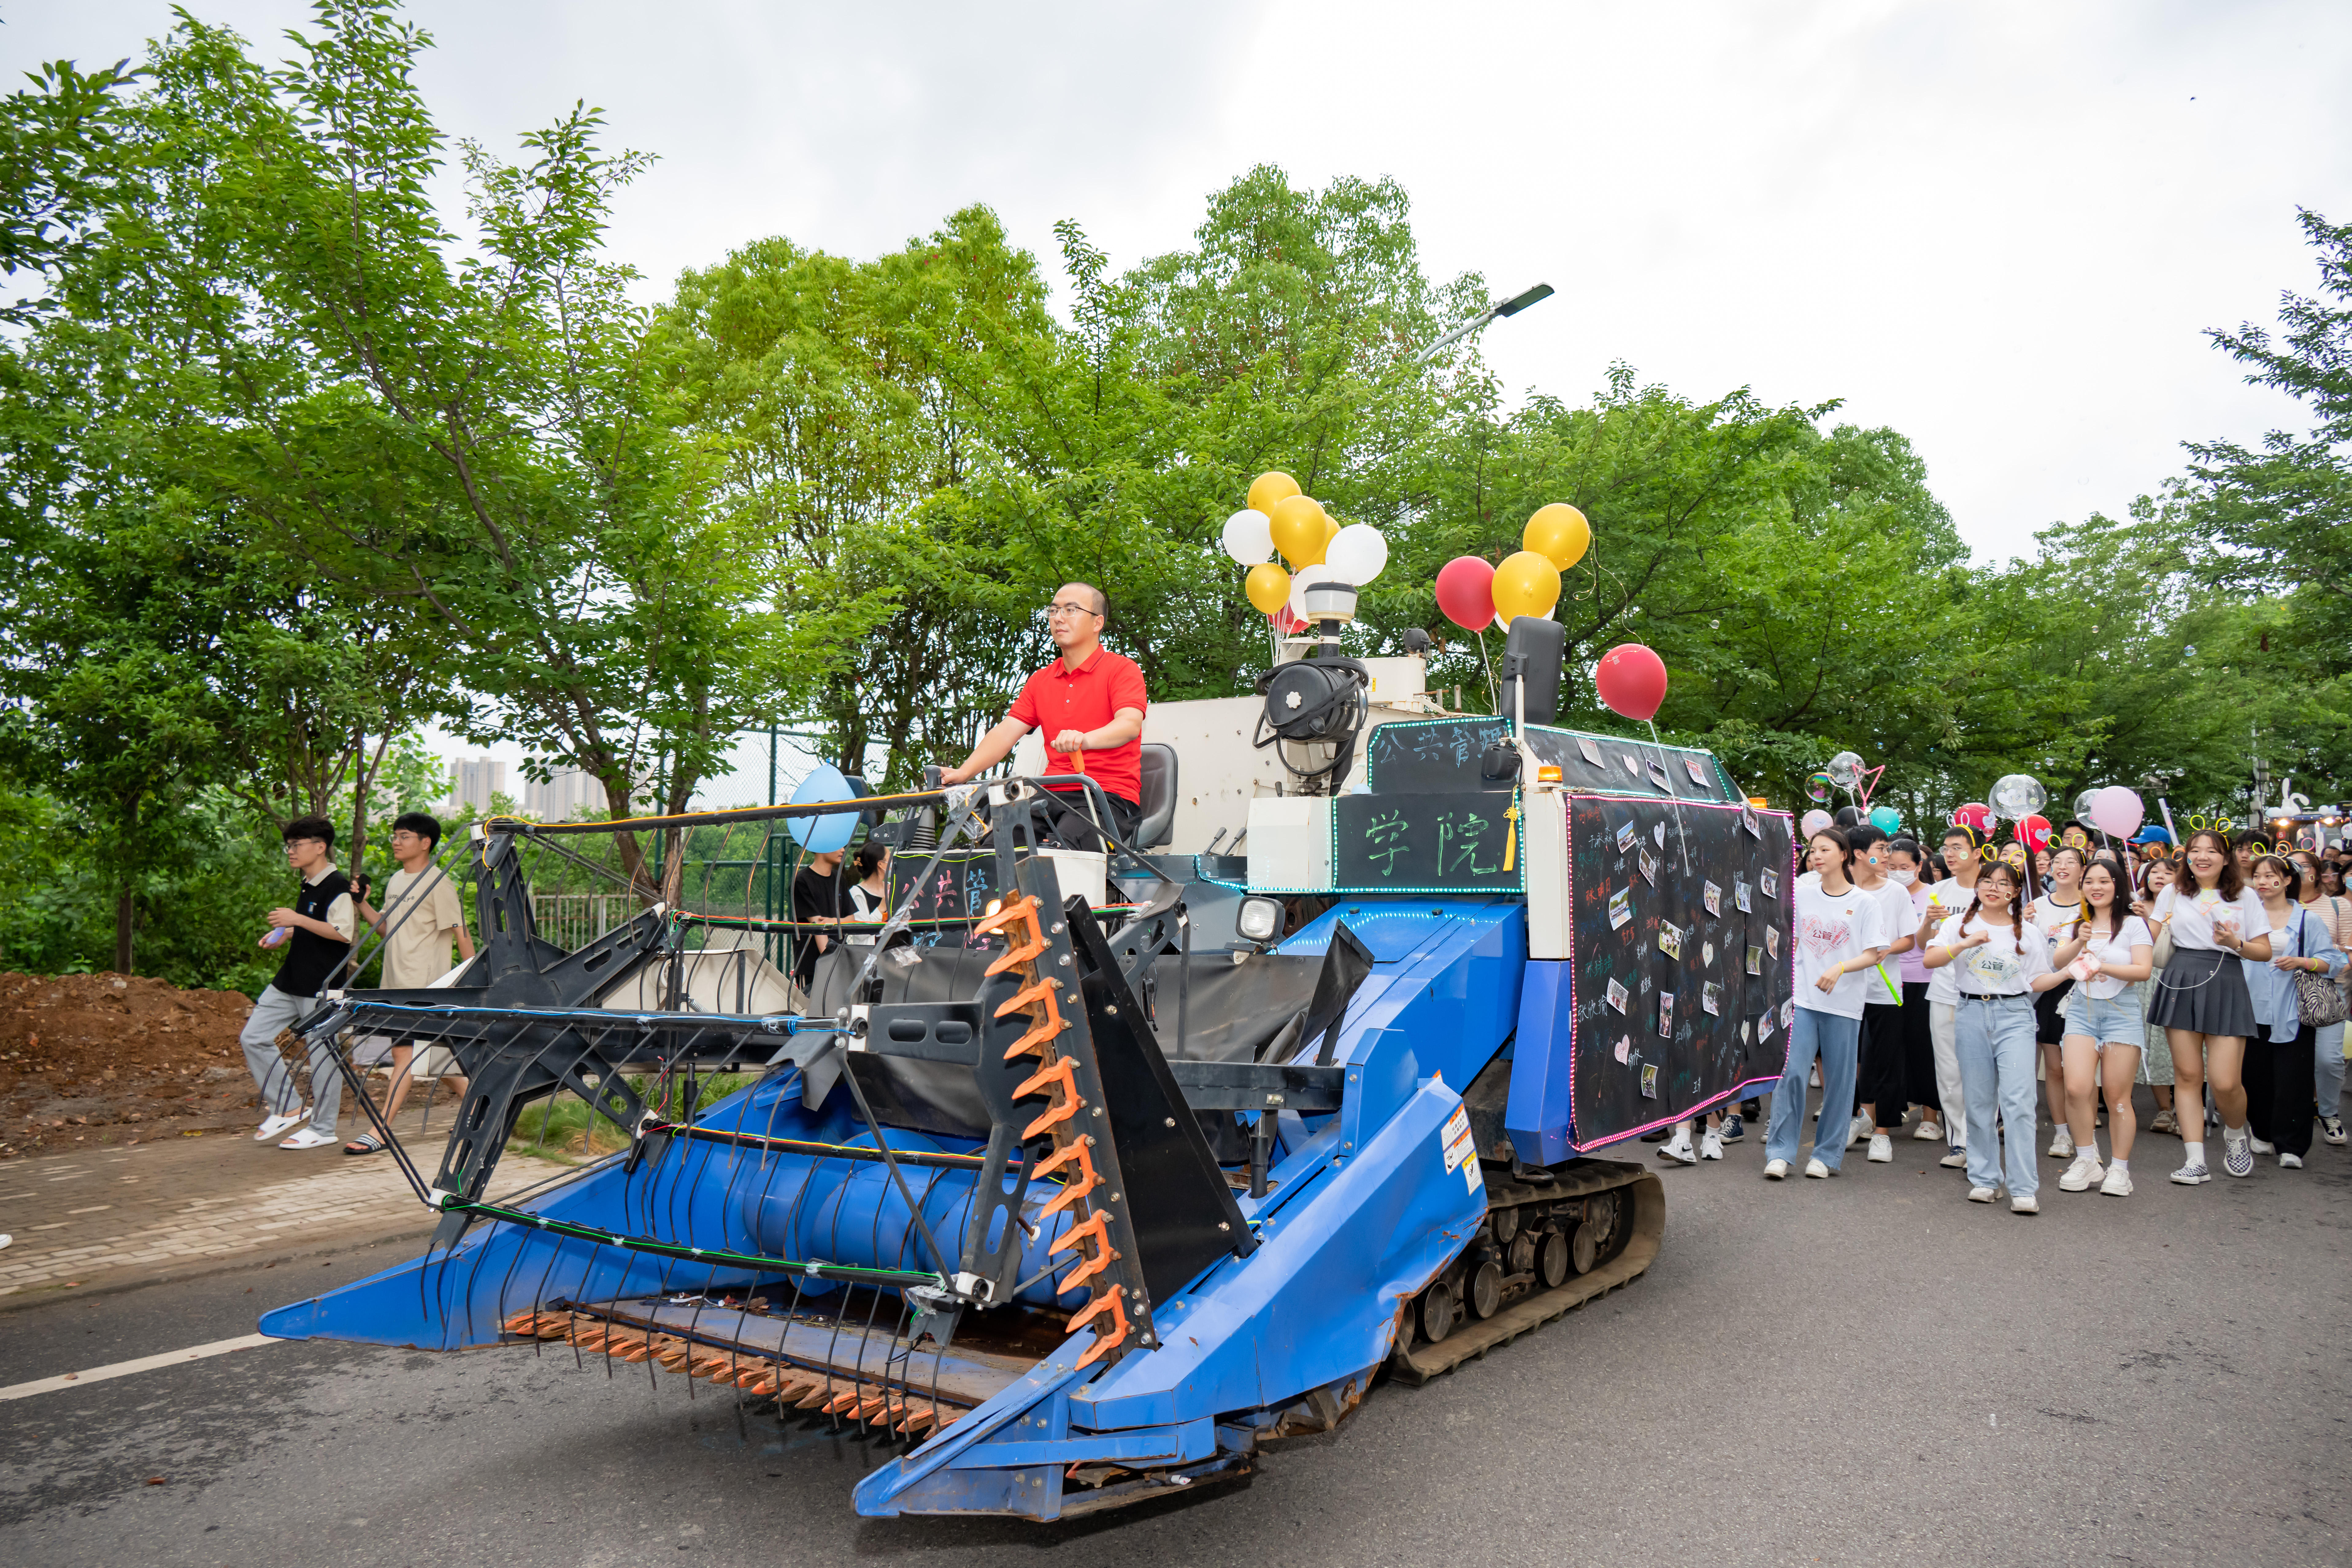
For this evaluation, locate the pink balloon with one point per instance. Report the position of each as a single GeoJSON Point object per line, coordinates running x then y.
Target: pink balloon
{"type": "Point", "coordinates": [1977, 816]}
{"type": "Point", "coordinates": [1632, 679]}
{"type": "Point", "coordinates": [2116, 812]}
{"type": "Point", "coordinates": [1814, 821]}
{"type": "Point", "coordinates": [1465, 592]}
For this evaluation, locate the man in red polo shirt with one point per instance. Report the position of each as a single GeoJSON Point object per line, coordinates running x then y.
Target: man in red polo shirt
{"type": "Point", "coordinates": [1090, 704]}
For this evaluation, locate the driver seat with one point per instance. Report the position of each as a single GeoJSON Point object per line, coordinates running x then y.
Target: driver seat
{"type": "Point", "coordinates": [1157, 826]}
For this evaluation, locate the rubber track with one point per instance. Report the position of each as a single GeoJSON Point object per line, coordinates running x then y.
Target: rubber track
{"type": "Point", "coordinates": [1424, 1361]}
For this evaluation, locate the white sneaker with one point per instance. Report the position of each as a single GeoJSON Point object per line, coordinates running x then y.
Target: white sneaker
{"type": "Point", "coordinates": [1816, 1170]}
{"type": "Point", "coordinates": [1955, 1159]}
{"type": "Point", "coordinates": [2062, 1143]}
{"type": "Point", "coordinates": [309, 1138]}
{"type": "Point", "coordinates": [2079, 1175]}
{"type": "Point", "coordinates": [1860, 1128]}
{"type": "Point", "coordinates": [2118, 1183]}
{"type": "Point", "coordinates": [2290, 1161]}
{"type": "Point", "coordinates": [1881, 1149]}
{"type": "Point", "coordinates": [1710, 1145]}
{"type": "Point", "coordinates": [2331, 1128]}
{"type": "Point", "coordinates": [1929, 1132]}
{"type": "Point", "coordinates": [273, 1126]}
{"type": "Point", "coordinates": [1979, 1195]}
{"type": "Point", "coordinates": [2025, 1206]}
{"type": "Point", "coordinates": [1678, 1149]}
{"type": "Point", "coordinates": [1775, 1168]}
{"type": "Point", "coordinates": [2262, 1146]}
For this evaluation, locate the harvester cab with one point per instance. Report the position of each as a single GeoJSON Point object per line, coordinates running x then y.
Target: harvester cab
{"type": "Point", "coordinates": [1088, 1172]}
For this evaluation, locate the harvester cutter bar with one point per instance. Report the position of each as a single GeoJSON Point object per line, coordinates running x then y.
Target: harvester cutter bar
{"type": "Point", "coordinates": [957, 1378]}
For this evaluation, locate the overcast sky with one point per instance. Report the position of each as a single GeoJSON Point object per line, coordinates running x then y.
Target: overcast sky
{"type": "Point", "coordinates": [1999, 228]}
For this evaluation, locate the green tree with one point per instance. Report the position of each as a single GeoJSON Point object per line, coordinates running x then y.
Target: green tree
{"type": "Point", "coordinates": [2278, 519]}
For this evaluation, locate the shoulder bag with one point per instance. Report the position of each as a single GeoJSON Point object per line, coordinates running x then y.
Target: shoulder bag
{"type": "Point", "coordinates": [2318, 999]}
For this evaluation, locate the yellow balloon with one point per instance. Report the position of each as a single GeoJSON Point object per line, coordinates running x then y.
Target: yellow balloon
{"type": "Point", "coordinates": [1268, 588]}
{"type": "Point", "coordinates": [1559, 533]}
{"type": "Point", "coordinates": [1297, 523]}
{"type": "Point", "coordinates": [1526, 583]}
{"type": "Point", "coordinates": [1330, 529]}
{"type": "Point", "coordinates": [1267, 488]}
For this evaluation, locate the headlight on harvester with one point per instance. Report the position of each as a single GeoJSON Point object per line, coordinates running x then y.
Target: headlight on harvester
{"type": "Point", "coordinates": [1259, 919]}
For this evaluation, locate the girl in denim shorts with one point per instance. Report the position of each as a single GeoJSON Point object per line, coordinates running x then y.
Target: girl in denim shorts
{"type": "Point", "coordinates": [2110, 947]}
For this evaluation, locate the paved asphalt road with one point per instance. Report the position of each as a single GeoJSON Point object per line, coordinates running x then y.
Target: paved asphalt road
{"type": "Point", "coordinates": [1868, 1370]}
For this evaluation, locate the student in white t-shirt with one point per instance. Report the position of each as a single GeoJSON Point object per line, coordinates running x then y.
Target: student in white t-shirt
{"type": "Point", "coordinates": [1880, 1082]}
{"type": "Point", "coordinates": [2201, 1001]}
{"type": "Point", "coordinates": [1839, 933]}
{"type": "Point", "coordinates": [1999, 960]}
{"type": "Point", "coordinates": [2059, 906]}
{"type": "Point", "coordinates": [2111, 948]}
{"type": "Point", "coordinates": [1947, 898]}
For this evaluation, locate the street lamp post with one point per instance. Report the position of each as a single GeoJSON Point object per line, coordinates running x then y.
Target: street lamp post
{"type": "Point", "coordinates": [1495, 313]}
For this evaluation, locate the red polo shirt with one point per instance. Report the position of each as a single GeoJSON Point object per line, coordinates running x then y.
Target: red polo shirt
{"type": "Point", "coordinates": [1058, 697]}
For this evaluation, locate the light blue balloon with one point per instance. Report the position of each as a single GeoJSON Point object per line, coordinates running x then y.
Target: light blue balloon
{"type": "Point", "coordinates": [829, 834]}
{"type": "Point", "coordinates": [1886, 818]}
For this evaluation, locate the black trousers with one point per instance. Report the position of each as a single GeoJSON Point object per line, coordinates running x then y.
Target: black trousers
{"type": "Point", "coordinates": [1883, 1082]}
{"type": "Point", "coordinates": [1068, 819]}
{"type": "Point", "coordinates": [1920, 1049]}
{"type": "Point", "coordinates": [2281, 1095]}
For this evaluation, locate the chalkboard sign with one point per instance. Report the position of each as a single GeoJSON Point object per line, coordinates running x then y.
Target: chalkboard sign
{"type": "Point", "coordinates": [1680, 960]}
{"type": "Point", "coordinates": [958, 888]}
{"type": "Point", "coordinates": [1435, 755]}
{"type": "Point", "coordinates": [1467, 841]}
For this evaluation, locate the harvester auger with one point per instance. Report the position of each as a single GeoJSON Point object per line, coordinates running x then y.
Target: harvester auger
{"type": "Point", "coordinates": [1084, 1176]}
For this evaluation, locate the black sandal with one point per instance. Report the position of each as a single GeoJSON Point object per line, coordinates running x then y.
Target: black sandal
{"type": "Point", "coordinates": [365, 1143]}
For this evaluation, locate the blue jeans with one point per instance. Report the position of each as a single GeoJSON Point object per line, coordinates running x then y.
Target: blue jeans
{"type": "Point", "coordinates": [1835, 1040]}
{"type": "Point", "coordinates": [2330, 1081]}
{"type": "Point", "coordinates": [1995, 1044]}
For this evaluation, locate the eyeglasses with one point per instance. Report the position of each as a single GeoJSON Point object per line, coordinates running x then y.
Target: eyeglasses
{"type": "Point", "coordinates": [1066, 608]}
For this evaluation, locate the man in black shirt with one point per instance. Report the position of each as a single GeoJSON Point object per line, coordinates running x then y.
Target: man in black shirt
{"type": "Point", "coordinates": [316, 933]}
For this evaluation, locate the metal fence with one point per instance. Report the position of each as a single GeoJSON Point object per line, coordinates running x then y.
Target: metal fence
{"type": "Point", "coordinates": [572, 920]}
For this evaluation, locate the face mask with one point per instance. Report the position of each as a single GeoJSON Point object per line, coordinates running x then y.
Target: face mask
{"type": "Point", "coordinates": [1903, 878]}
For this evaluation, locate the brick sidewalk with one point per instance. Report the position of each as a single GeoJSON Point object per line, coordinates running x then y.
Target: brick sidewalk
{"type": "Point", "coordinates": [160, 1211]}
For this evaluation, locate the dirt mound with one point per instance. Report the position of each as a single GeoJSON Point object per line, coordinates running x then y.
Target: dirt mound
{"type": "Point", "coordinates": [110, 1059]}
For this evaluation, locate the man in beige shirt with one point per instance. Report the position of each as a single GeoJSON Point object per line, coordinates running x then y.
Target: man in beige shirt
{"type": "Point", "coordinates": [421, 918]}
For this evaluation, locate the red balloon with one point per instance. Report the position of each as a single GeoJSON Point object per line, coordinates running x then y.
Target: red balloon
{"type": "Point", "coordinates": [1285, 623]}
{"type": "Point", "coordinates": [1465, 592]}
{"type": "Point", "coordinates": [1632, 679]}
{"type": "Point", "coordinates": [1977, 817]}
{"type": "Point", "coordinates": [2034, 834]}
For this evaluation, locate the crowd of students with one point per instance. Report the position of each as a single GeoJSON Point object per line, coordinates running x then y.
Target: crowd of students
{"type": "Point", "coordinates": [1951, 981]}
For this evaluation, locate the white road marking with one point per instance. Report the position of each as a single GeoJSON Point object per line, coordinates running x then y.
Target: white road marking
{"type": "Point", "coordinates": [144, 1364]}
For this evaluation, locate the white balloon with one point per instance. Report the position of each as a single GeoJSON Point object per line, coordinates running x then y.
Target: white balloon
{"type": "Point", "coordinates": [1357, 554]}
{"type": "Point", "coordinates": [1303, 579]}
{"type": "Point", "coordinates": [1249, 537]}
{"type": "Point", "coordinates": [2017, 796]}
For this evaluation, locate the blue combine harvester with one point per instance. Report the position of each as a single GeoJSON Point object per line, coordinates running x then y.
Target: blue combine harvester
{"type": "Point", "coordinates": [1089, 1175]}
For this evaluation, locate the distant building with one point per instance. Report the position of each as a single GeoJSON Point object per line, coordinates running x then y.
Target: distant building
{"type": "Point", "coordinates": [473, 780]}
{"type": "Point", "coordinates": [568, 793]}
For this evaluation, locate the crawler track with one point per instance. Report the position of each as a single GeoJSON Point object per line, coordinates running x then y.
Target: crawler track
{"type": "Point", "coordinates": [1627, 1199]}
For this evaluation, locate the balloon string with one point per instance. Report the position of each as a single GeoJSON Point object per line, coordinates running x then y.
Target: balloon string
{"type": "Point", "coordinates": [1681, 838]}
{"type": "Point", "coordinates": [1494, 694]}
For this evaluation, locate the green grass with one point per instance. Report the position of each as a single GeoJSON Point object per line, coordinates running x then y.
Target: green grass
{"type": "Point", "coordinates": [563, 1127]}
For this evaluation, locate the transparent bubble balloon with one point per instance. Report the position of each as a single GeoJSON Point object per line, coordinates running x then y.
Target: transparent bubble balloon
{"type": "Point", "coordinates": [1818, 786]}
{"type": "Point", "coordinates": [1845, 770]}
{"type": "Point", "coordinates": [2081, 812]}
{"type": "Point", "coordinates": [2019, 795]}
